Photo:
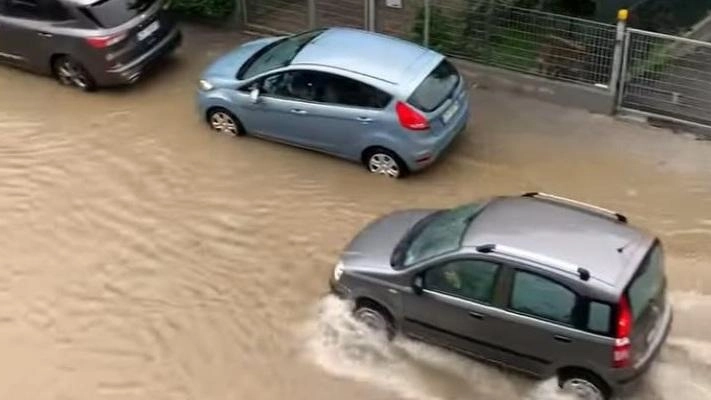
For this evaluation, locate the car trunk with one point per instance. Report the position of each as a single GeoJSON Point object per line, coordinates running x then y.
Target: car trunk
{"type": "Point", "coordinates": [127, 17]}
{"type": "Point", "coordinates": [439, 96]}
{"type": "Point", "coordinates": [647, 298]}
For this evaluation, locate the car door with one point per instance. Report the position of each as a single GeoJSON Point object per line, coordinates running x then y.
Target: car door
{"type": "Point", "coordinates": [538, 329]}
{"type": "Point", "coordinates": [348, 111]}
{"type": "Point", "coordinates": [28, 30]}
{"type": "Point", "coordinates": [285, 108]}
{"type": "Point", "coordinates": [454, 305]}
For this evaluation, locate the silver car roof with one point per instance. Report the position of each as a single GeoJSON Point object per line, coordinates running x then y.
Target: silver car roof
{"type": "Point", "coordinates": [566, 236]}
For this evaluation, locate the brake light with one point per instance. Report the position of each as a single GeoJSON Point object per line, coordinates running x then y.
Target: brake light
{"type": "Point", "coordinates": [102, 42]}
{"type": "Point", "coordinates": [411, 119]}
{"type": "Point", "coordinates": [621, 354]}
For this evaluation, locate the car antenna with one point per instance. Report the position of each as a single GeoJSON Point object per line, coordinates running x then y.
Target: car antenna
{"type": "Point", "coordinates": [621, 249]}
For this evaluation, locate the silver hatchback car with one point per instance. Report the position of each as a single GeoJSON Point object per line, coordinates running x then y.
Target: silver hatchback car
{"type": "Point", "coordinates": [390, 104]}
{"type": "Point", "coordinates": [543, 284]}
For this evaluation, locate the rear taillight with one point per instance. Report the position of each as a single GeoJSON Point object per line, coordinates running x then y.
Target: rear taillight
{"type": "Point", "coordinates": [411, 119]}
{"type": "Point", "coordinates": [622, 352]}
{"type": "Point", "coordinates": [102, 42]}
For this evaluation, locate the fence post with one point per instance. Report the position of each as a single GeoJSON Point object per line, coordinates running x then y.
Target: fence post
{"type": "Point", "coordinates": [618, 54]}
{"type": "Point", "coordinates": [623, 74]}
{"type": "Point", "coordinates": [370, 15]}
{"type": "Point", "coordinates": [426, 27]}
{"type": "Point", "coordinates": [245, 18]}
{"type": "Point", "coordinates": [312, 14]}
{"type": "Point", "coordinates": [488, 23]}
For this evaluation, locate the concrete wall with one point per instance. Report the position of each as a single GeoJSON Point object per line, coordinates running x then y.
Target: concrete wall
{"type": "Point", "coordinates": [593, 99]}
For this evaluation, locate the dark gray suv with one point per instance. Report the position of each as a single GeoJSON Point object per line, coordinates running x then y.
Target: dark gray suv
{"type": "Point", "coordinates": [543, 284]}
{"type": "Point", "coordinates": [86, 43]}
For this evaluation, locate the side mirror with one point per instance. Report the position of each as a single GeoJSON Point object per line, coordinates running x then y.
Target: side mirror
{"type": "Point", "coordinates": [254, 95]}
{"type": "Point", "coordinates": [418, 285]}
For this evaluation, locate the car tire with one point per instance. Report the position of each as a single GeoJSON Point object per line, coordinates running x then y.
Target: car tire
{"type": "Point", "coordinates": [381, 161]}
{"type": "Point", "coordinates": [70, 72]}
{"type": "Point", "coordinates": [224, 122]}
{"type": "Point", "coordinates": [584, 385]}
{"type": "Point", "coordinates": [375, 319]}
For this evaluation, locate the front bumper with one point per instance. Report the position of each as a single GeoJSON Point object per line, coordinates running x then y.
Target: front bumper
{"type": "Point", "coordinates": [337, 289]}
{"type": "Point", "coordinates": [134, 70]}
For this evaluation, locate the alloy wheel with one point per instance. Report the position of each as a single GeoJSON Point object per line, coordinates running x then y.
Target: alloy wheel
{"type": "Point", "coordinates": [224, 123]}
{"type": "Point", "coordinates": [384, 164]}
{"type": "Point", "coordinates": [583, 389]}
{"type": "Point", "coordinates": [71, 74]}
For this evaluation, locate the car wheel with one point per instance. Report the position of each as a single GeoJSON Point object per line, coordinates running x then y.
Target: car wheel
{"type": "Point", "coordinates": [584, 386]}
{"type": "Point", "coordinates": [382, 161]}
{"type": "Point", "coordinates": [375, 320]}
{"type": "Point", "coordinates": [71, 72]}
{"type": "Point", "coordinates": [224, 122]}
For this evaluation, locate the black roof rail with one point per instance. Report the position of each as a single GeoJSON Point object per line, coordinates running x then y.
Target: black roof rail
{"type": "Point", "coordinates": [563, 266]}
{"type": "Point", "coordinates": [620, 217]}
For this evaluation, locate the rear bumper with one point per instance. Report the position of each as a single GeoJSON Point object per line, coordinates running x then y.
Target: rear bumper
{"type": "Point", "coordinates": [427, 152]}
{"type": "Point", "coordinates": [629, 382]}
{"type": "Point", "coordinates": [134, 70]}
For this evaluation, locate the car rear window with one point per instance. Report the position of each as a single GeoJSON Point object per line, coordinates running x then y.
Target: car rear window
{"type": "Point", "coordinates": [435, 89]}
{"type": "Point", "coordinates": [112, 13]}
{"type": "Point", "coordinates": [648, 282]}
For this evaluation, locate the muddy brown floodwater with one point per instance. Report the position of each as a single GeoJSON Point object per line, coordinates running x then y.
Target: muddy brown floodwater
{"type": "Point", "coordinates": [144, 257]}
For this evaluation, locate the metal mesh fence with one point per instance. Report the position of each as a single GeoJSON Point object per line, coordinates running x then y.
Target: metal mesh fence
{"type": "Point", "coordinates": [276, 16]}
{"type": "Point", "coordinates": [350, 13]}
{"type": "Point", "coordinates": [668, 76]}
{"type": "Point", "coordinates": [486, 31]}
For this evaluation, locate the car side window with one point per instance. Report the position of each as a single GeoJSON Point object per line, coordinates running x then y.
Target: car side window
{"type": "Point", "coordinates": [45, 10]}
{"type": "Point", "coordinates": [349, 92]}
{"type": "Point", "coordinates": [298, 85]}
{"type": "Point", "coordinates": [325, 88]}
{"type": "Point", "coordinates": [469, 279]}
{"type": "Point", "coordinates": [22, 8]}
{"type": "Point", "coordinates": [541, 297]}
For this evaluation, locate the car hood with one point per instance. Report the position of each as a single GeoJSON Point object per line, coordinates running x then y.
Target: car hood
{"type": "Point", "coordinates": [372, 248]}
{"type": "Point", "coordinates": [228, 65]}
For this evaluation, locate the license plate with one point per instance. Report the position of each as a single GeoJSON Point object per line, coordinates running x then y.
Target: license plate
{"type": "Point", "coordinates": [450, 112]}
{"type": "Point", "coordinates": [149, 30]}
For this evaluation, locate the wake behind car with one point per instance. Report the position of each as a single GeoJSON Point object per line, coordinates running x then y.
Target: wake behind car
{"type": "Point", "coordinates": [542, 284]}
{"type": "Point", "coordinates": [86, 43]}
{"type": "Point", "coordinates": [389, 104]}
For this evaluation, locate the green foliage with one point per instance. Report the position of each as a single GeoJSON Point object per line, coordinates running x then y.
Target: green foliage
{"type": "Point", "coordinates": [212, 9]}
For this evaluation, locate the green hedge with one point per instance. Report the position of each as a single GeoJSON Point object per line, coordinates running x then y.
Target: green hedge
{"type": "Point", "coordinates": [211, 9]}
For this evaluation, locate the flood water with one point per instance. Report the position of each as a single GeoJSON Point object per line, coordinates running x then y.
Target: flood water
{"type": "Point", "coordinates": [144, 257]}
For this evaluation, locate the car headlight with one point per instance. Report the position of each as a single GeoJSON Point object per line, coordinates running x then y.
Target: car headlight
{"type": "Point", "coordinates": [205, 85]}
{"type": "Point", "coordinates": [338, 271]}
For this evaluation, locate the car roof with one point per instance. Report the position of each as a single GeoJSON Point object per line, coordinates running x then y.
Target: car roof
{"type": "Point", "coordinates": [609, 249]}
{"type": "Point", "coordinates": [378, 56]}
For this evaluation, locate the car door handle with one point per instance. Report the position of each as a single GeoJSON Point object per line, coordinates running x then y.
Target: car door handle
{"type": "Point", "coordinates": [563, 339]}
{"type": "Point", "coordinates": [476, 315]}
{"type": "Point", "coordinates": [298, 111]}
{"type": "Point", "coordinates": [365, 119]}
{"type": "Point", "coordinates": [44, 34]}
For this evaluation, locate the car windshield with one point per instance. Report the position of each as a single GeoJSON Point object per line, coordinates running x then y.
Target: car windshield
{"type": "Point", "coordinates": [648, 283]}
{"type": "Point", "coordinates": [441, 234]}
{"type": "Point", "coordinates": [435, 89]}
{"type": "Point", "coordinates": [277, 54]}
{"type": "Point", "coordinates": [112, 13]}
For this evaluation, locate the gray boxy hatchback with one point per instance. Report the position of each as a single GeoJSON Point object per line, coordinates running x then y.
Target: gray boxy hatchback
{"type": "Point", "coordinates": [86, 43]}
{"type": "Point", "coordinates": [543, 284]}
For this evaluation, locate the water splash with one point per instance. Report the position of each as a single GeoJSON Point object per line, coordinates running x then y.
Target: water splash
{"type": "Point", "coordinates": [417, 371]}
